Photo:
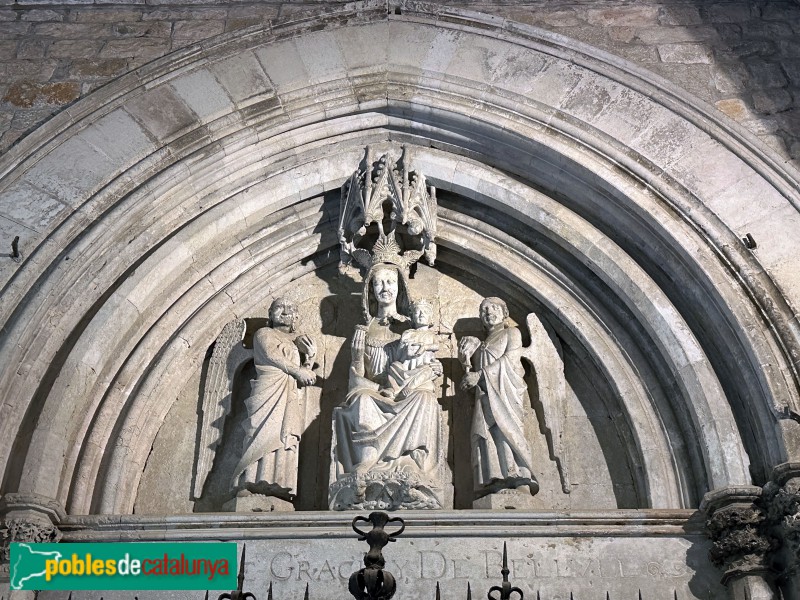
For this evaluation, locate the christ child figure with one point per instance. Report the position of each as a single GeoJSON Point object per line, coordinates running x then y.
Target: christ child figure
{"type": "Point", "coordinates": [416, 366]}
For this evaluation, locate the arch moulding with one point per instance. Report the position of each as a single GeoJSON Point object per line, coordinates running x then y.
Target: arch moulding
{"type": "Point", "coordinates": [191, 191]}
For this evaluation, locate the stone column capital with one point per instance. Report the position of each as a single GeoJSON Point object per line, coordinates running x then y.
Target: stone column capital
{"type": "Point", "coordinates": [28, 518]}
{"type": "Point", "coordinates": [736, 524]}
{"type": "Point", "coordinates": [781, 498]}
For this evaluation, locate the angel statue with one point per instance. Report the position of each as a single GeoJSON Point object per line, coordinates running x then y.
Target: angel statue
{"type": "Point", "coordinates": [501, 454]}
{"type": "Point", "coordinates": [270, 431]}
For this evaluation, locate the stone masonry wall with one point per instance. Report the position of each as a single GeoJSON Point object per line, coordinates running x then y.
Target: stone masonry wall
{"type": "Point", "coordinates": [743, 57]}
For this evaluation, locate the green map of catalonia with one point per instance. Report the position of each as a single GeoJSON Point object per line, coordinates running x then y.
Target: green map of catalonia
{"type": "Point", "coordinates": [27, 564]}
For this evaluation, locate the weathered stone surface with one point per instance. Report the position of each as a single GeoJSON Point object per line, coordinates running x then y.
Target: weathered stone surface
{"type": "Point", "coordinates": [31, 49]}
{"type": "Point", "coordinates": [26, 94]}
{"type": "Point", "coordinates": [735, 108]}
{"type": "Point", "coordinates": [135, 47]}
{"type": "Point", "coordinates": [101, 68]}
{"type": "Point", "coordinates": [730, 78]}
{"type": "Point", "coordinates": [765, 74]}
{"type": "Point", "coordinates": [685, 53]}
{"type": "Point", "coordinates": [162, 112]}
{"type": "Point", "coordinates": [197, 30]}
{"type": "Point", "coordinates": [151, 30]}
{"type": "Point", "coordinates": [202, 93]}
{"type": "Point", "coordinates": [71, 31]}
{"type": "Point", "coordinates": [772, 102]}
{"type": "Point", "coordinates": [242, 76]}
{"type": "Point", "coordinates": [74, 48]}
{"type": "Point", "coordinates": [638, 16]}
{"type": "Point", "coordinates": [733, 12]}
{"type": "Point", "coordinates": [42, 15]}
{"type": "Point", "coordinates": [116, 14]}
{"type": "Point", "coordinates": [676, 14]}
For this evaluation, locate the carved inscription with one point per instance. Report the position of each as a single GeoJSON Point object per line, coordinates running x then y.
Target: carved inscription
{"type": "Point", "coordinates": [485, 564]}
{"type": "Point", "coordinates": [658, 566]}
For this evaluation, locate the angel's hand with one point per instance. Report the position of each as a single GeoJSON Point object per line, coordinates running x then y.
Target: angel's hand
{"type": "Point", "coordinates": [306, 346]}
{"type": "Point", "coordinates": [470, 381]}
{"type": "Point", "coordinates": [467, 347]}
{"type": "Point", "coordinates": [305, 376]}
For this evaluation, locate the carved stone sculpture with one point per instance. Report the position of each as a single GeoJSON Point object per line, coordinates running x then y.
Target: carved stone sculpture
{"type": "Point", "coordinates": [387, 445]}
{"type": "Point", "coordinates": [27, 518]}
{"type": "Point", "coordinates": [270, 433]}
{"type": "Point", "coordinates": [501, 455]}
{"type": "Point", "coordinates": [387, 431]}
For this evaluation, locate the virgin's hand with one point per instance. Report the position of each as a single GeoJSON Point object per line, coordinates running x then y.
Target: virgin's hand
{"type": "Point", "coordinates": [359, 343]}
{"type": "Point", "coordinates": [437, 368]}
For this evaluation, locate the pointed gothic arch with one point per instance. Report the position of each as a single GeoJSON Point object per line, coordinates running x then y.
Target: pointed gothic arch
{"type": "Point", "coordinates": [614, 200]}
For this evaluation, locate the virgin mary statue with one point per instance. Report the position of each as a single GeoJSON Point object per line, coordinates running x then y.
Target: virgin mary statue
{"type": "Point", "coordinates": [380, 434]}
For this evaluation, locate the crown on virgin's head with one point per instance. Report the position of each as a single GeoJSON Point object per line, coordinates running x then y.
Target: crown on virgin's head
{"type": "Point", "coordinates": [387, 250]}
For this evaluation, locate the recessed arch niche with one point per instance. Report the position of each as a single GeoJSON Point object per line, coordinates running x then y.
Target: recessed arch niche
{"type": "Point", "coordinates": [190, 192]}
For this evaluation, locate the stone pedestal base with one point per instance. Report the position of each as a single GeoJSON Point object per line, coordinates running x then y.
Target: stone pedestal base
{"type": "Point", "coordinates": [383, 491]}
{"type": "Point", "coordinates": [518, 498]}
{"type": "Point", "coordinates": [257, 503]}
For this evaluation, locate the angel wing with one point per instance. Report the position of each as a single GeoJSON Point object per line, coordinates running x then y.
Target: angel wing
{"type": "Point", "coordinates": [227, 358]}
{"type": "Point", "coordinates": [548, 365]}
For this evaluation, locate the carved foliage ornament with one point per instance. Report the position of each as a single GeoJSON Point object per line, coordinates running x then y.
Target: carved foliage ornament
{"type": "Point", "coordinates": [757, 533]}
{"type": "Point", "coordinates": [34, 530]}
{"type": "Point", "coordinates": [740, 543]}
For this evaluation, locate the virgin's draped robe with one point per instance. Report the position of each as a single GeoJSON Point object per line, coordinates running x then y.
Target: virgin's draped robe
{"type": "Point", "coordinates": [269, 460]}
{"type": "Point", "coordinates": [379, 433]}
{"type": "Point", "coordinates": [501, 455]}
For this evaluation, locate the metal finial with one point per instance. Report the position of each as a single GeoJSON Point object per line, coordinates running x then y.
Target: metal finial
{"type": "Point", "coordinates": [469, 592]}
{"type": "Point", "coordinates": [305, 596]}
{"type": "Point", "coordinates": [505, 588]}
{"type": "Point", "coordinates": [238, 593]}
{"type": "Point", "coordinates": [240, 578]}
{"type": "Point", "coordinates": [438, 593]}
{"type": "Point", "coordinates": [372, 582]}
{"type": "Point", "coordinates": [269, 591]}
